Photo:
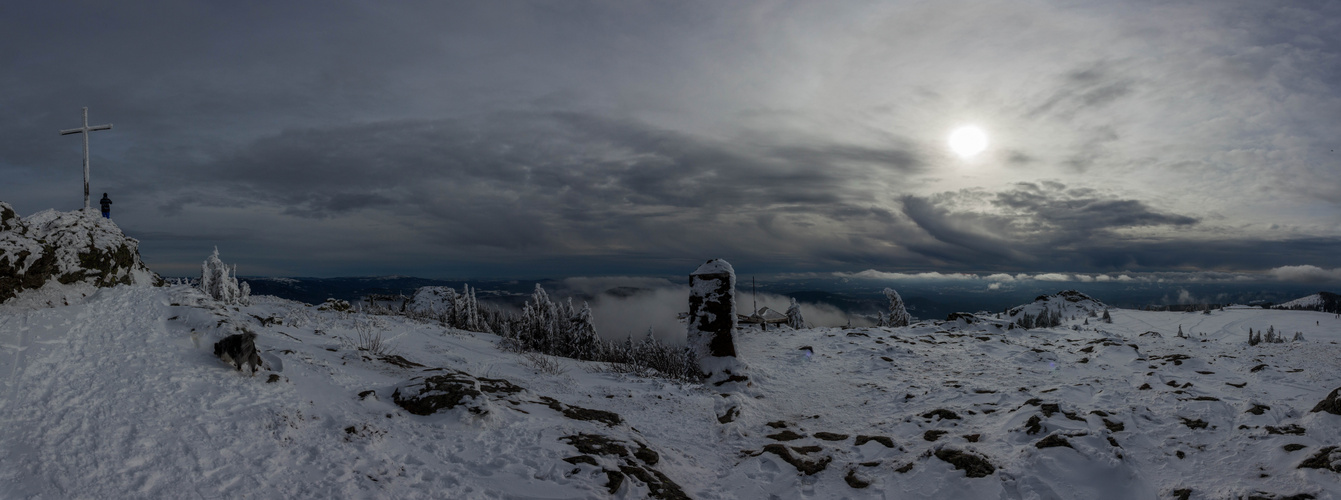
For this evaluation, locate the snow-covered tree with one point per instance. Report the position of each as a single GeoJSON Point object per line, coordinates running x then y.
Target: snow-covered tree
{"type": "Point", "coordinates": [541, 328]}
{"type": "Point", "coordinates": [222, 285]}
{"type": "Point", "coordinates": [450, 301]}
{"type": "Point", "coordinates": [583, 343]}
{"type": "Point", "coordinates": [1107, 318]}
{"type": "Point", "coordinates": [794, 318]}
{"type": "Point", "coordinates": [474, 320]}
{"type": "Point", "coordinates": [1272, 337]}
{"type": "Point", "coordinates": [461, 308]}
{"type": "Point", "coordinates": [898, 314]}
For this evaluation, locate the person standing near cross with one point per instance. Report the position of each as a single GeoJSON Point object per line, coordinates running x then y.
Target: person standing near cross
{"type": "Point", "coordinates": [106, 206]}
{"type": "Point", "coordinates": [86, 130]}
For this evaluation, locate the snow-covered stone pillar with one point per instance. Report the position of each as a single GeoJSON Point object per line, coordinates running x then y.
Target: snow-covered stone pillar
{"type": "Point", "coordinates": [712, 316]}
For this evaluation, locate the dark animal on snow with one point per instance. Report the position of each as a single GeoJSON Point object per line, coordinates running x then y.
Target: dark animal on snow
{"type": "Point", "coordinates": [238, 350]}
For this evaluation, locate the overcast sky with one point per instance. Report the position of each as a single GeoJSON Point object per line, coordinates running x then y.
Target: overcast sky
{"type": "Point", "coordinates": [551, 139]}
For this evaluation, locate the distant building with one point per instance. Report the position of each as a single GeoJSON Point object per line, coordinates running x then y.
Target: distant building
{"type": "Point", "coordinates": [764, 317]}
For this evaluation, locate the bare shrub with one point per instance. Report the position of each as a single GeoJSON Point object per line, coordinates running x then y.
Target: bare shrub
{"type": "Point", "coordinates": [651, 358]}
{"type": "Point", "coordinates": [368, 338]}
{"type": "Point", "coordinates": [547, 365]}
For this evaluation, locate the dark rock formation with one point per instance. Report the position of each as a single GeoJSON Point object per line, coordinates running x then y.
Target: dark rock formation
{"type": "Point", "coordinates": [972, 464]}
{"type": "Point", "coordinates": [1330, 404]}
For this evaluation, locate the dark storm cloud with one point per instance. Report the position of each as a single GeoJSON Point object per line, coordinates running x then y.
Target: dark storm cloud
{"type": "Point", "coordinates": [562, 181]}
{"type": "Point", "coordinates": [964, 237]}
{"type": "Point", "coordinates": [1038, 222]}
{"type": "Point", "coordinates": [1076, 214]}
{"type": "Point", "coordinates": [1080, 229]}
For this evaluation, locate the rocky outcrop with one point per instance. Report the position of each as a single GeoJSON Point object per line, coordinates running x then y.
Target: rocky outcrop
{"type": "Point", "coordinates": [1049, 311]}
{"type": "Point", "coordinates": [67, 247]}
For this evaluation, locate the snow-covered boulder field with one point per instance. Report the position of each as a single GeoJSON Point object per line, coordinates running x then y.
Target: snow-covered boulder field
{"type": "Point", "coordinates": [119, 395]}
{"type": "Point", "coordinates": [79, 247]}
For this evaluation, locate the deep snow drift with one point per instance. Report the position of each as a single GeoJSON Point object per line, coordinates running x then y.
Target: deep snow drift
{"type": "Point", "coordinates": [118, 395]}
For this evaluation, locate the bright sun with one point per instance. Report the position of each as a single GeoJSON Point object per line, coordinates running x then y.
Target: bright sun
{"type": "Point", "coordinates": [968, 141]}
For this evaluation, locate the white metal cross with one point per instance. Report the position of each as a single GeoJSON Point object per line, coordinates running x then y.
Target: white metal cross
{"type": "Point", "coordinates": [86, 130]}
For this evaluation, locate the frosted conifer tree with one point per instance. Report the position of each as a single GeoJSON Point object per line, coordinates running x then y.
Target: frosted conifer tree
{"type": "Point", "coordinates": [472, 311]}
{"type": "Point", "coordinates": [898, 314]}
{"type": "Point", "coordinates": [1107, 318]}
{"type": "Point", "coordinates": [540, 322]}
{"type": "Point", "coordinates": [584, 343]}
{"type": "Point", "coordinates": [461, 308]}
{"type": "Point", "coordinates": [477, 322]}
{"type": "Point", "coordinates": [569, 311]}
{"type": "Point", "coordinates": [794, 318]}
{"type": "Point", "coordinates": [450, 303]}
{"type": "Point", "coordinates": [221, 285]}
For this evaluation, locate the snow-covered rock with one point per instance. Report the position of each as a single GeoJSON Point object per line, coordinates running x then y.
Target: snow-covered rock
{"type": "Point", "coordinates": [712, 309]}
{"type": "Point", "coordinates": [67, 247]}
{"type": "Point", "coordinates": [433, 300]}
{"type": "Point", "coordinates": [1050, 310]}
{"type": "Point", "coordinates": [712, 319]}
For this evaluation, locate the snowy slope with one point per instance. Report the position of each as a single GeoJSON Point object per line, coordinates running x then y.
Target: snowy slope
{"type": "Point", "coordinates": [1321, 301]}
{"type": "Point", "coordinates": [111, 398]}
{"type": "Point", "coordinates": [1309, 302]}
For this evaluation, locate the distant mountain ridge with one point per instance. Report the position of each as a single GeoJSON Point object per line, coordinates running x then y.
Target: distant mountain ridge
{"type": "Point", "coordinates": [317, 290]}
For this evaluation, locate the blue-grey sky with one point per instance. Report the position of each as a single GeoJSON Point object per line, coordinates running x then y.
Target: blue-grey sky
{"type": "Point", "coordinates": [529, 139]}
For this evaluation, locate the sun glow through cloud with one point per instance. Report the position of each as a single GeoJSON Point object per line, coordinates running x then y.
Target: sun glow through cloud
{"type": "Point", "coordinates": [968, 141]}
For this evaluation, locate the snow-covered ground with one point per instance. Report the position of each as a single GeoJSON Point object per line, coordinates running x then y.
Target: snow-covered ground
{"type": "Point", "coordinates": [113, 396]}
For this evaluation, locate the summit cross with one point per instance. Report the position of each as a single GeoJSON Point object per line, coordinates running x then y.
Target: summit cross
{"type": "Point", "coordinates": [86, 130]}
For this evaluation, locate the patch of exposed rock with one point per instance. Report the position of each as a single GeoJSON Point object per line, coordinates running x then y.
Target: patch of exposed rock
{"type": "Point", "coordinates": [803, 465]}
{"type": "Point", "coordinates": [972, 464]}
{"type": "Point", "coordinates": [637, 464]}
{"type": "Point", "coordinates": [1323, 459]}
{"type": "Point", "coordinates": [429, 395]}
